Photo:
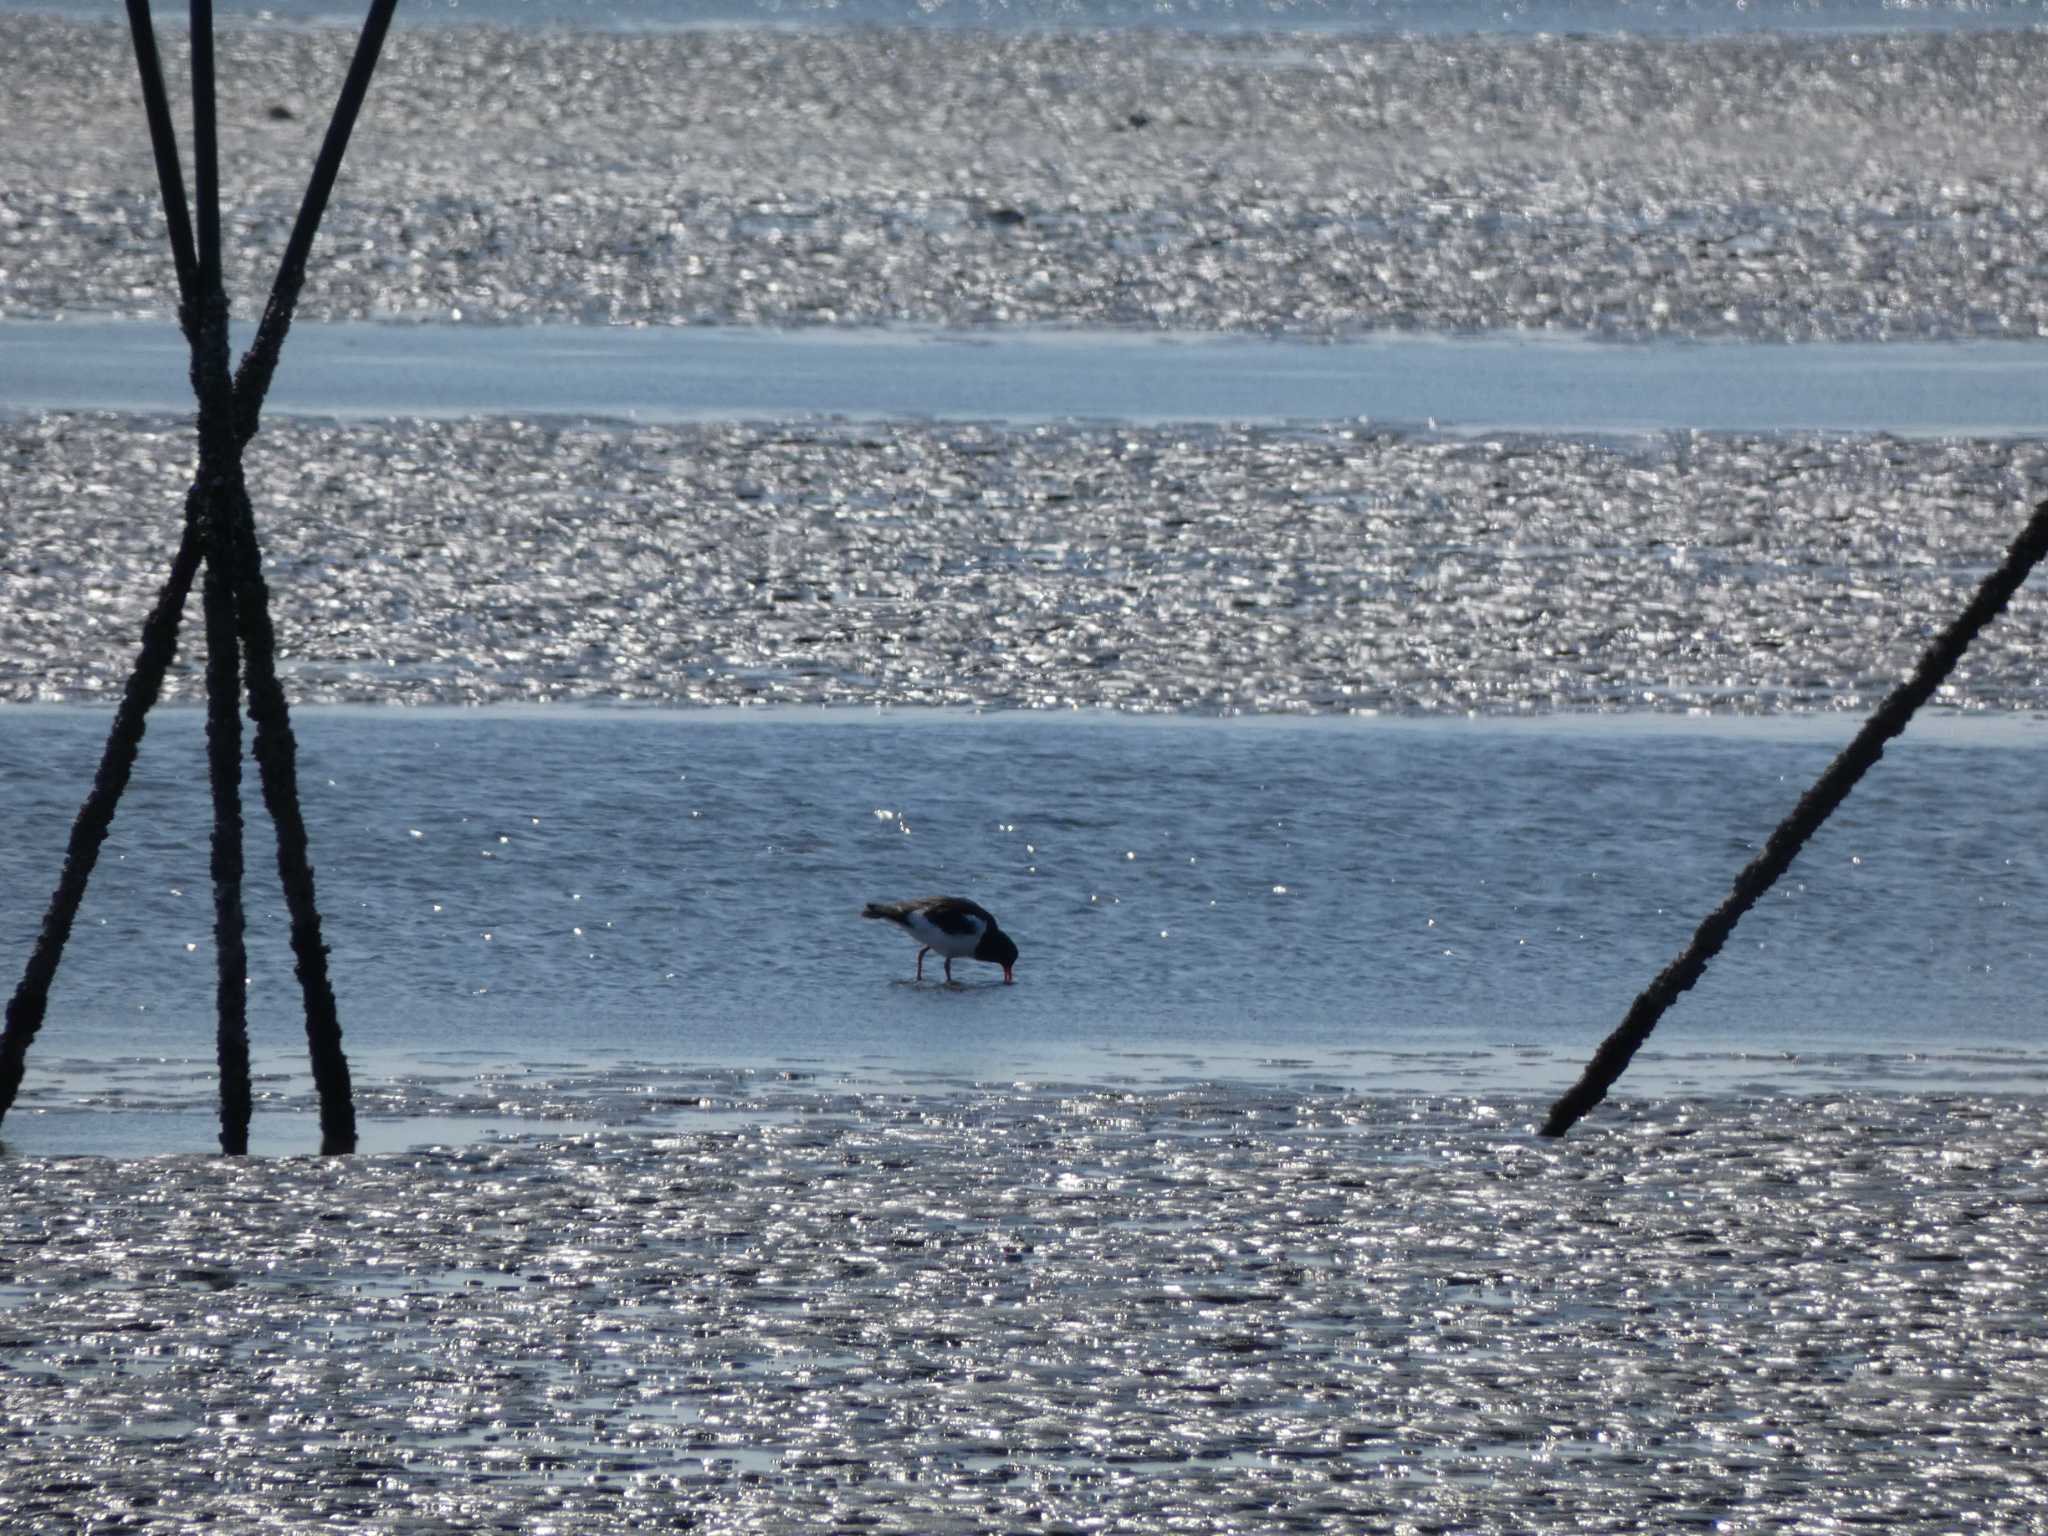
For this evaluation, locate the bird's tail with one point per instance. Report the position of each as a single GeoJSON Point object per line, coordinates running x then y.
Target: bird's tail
{"type": "Point", "coordinates": [876, 909]}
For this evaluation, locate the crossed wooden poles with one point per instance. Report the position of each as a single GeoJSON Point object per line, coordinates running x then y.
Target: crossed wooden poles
{"type": "Point", "coordinates": [220, 530]}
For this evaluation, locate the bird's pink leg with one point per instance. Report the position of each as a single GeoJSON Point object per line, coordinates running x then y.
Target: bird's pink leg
{"type": "Point", "coordinates": [949, 968]}
{"type": "Point", "coordinates": [920, 961]}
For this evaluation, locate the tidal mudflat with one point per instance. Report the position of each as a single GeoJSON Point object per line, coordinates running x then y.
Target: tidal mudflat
{"type": "Point", "coordinates": [1206, 568]}
{"type": "Point", "coordinates": [1849, 186]}
{"type": "Point", "coordinates": [1052, 1307]}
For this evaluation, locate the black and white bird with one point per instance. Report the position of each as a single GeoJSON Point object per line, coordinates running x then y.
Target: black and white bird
{"type": "Point", "coordinates": [953, 926]}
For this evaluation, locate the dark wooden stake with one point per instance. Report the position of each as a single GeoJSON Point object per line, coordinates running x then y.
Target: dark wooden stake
{"type": "Point", "coordinates": [1818, 803]}
{"type": "Point", "coordinates": [220, 527]}
{"type": "Point", "coordinates": [224, 763]}
{"type": "Point", "coordinates": [29, 1005]}
{"type": "Point", "coordinates": [205, 313]}
{"type": "Point", "coordinates": [31, 999]}
{"type": "Point", "coordinates": [276, 747]}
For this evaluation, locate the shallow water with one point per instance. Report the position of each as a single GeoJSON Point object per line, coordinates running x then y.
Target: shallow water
{"type": "Point", "coordinates": [1394, 905]}
{"type": "Point", "coordinates": [671, 375]}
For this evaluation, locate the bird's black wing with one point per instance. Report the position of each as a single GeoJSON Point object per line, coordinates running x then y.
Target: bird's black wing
{"type": "Point", "coordinates": [955, 914]}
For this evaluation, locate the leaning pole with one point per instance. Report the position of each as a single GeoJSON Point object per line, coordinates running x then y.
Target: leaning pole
{"type": "Point", "coordinates": [1814, 808]}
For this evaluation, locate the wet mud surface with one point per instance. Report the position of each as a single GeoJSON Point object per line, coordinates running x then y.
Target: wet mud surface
{"type": "Point", "coordinates": [1209, 569]}
{"type": "Point", "coordinates": [1854, 186]}
{"type": "Point", "coordinates": [1058, 1308]}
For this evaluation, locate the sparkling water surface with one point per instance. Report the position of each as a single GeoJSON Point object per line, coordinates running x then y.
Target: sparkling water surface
{"type": "Point", "coordinates": [1849, 188]}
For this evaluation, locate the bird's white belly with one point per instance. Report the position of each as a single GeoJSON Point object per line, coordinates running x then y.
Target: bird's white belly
{"type": "Point", "coordinates": [953, 946]}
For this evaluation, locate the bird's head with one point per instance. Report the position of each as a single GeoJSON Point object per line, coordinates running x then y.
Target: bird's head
{"type": "Point", "coordinates": [1001, 949]}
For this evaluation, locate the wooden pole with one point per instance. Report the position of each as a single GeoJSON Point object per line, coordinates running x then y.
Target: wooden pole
{"type": "Point", "coordinates": [1814, 808]}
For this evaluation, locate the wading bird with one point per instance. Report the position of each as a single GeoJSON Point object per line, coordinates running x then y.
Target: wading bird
{"type": "Point", "coordinates": [952, 925]}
